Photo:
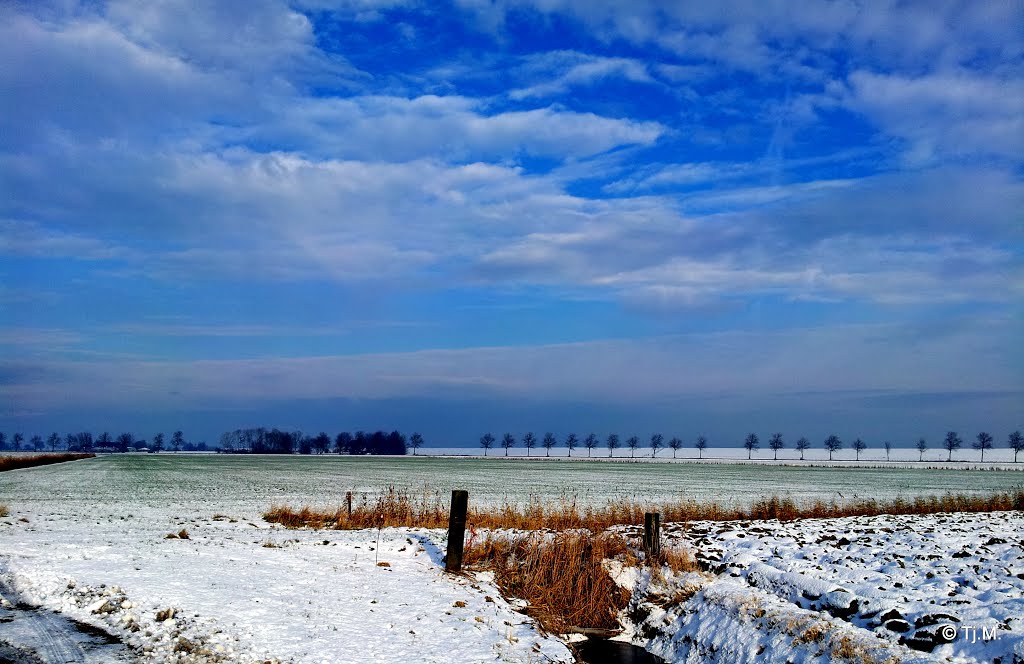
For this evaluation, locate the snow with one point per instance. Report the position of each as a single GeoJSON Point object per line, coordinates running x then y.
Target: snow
{"type": "Point", "coordinates": [90, 540]}
{"type": "Point", "coordinates": [243, 591]}
{"type": "Point", "coordinates": [944, 587]}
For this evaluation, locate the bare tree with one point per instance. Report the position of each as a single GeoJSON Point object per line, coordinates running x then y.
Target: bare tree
{"type": "Point", "coordinates": [571, 441]}
{"type": "Point", "coordinates": [1016, 443]}
{"type": "Point", "coordinates": [322, 443]}
{"type": "Point", "coordinates": [124, 441]}
{"type": "Point", "coordinates": [548, 442]}
{"type": "Point", "coordinates": [158, 442]}
{"type": "Point", "coordinates": [590, 442]}
{"type": "Point", "coordinates": [833, 444]}
{"type": "Point", "coordinates": [701, 445]}
{"type": "Point", "coordinates": [922, 447]}
{"type": "Point", "coordinates": [858, 446]}
{"type": "Point", "coordinates": [775, 443]}
{"type": "Point", "coordinates": [415, 442]}
{"type": "Point", "coordinates": [487, 442]}
{"type": "Point", "coordinates": [802, 445]}
{"type": "Point", "coordinates": [951, 443]}
{"type": "Point", "coordinates": [17, 440]}
{"type": "Point", "coordinates": [104, 440]}
{"type": "Point", "coordinates": [177, 440]}
{"type": "Point", "coordinates": [53, 441]}
{"type": "Point", "coordinates": [675, 444]}
{"type": "Point", "coordinates": [656, 441]}
{"type": "Point", "coordinates": [508, 441]}
{"type": "Point", "coordinates": [612, 442]}
{"type": "Point", "coordinates": [888, 448]}
{"type": "Point", "coordinates": [529, 442]}
{"type": "Point", "coordinates": [632, 443]}
{"type": "Point", "coordinates": [983, 442]}
{"type": "Point", "coordinates": [37, 442]}
{"type": "Point", "coordinates": [751, 443]}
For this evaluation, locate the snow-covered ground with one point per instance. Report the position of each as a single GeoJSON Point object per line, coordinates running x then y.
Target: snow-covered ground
{"type": "Point", "coordinates": [89, 539]}
{"type": "Point", "coordinates": [946, 587]}
{"type": "Point", "coordinates": [898, 457]}
{"type": "Point", "coordinates": [242, 591]}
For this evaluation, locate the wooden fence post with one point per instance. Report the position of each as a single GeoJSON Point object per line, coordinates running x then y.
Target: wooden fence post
{"type": "Point", "coordinates": [348, 502]}
{"type": "Point", "coordinates": [456, 530]}
{"type": "Point", "coordinates": [652, 535]}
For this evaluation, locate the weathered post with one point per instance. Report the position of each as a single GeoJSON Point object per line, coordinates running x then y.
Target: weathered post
{"type": "Point", "coordinates": [456, 530]}
{"type": "Point", "coordinates": [348, 502]}
{"type": "Point", "coordinates": [652, 535]}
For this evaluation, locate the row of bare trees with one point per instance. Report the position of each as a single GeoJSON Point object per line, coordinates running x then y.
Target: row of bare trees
{"type": "Point", "coordinates": [572, 442]}
{"type": "Point", "coordinates": [84, 441]}
{"type": "Point", "coordinates": [752, 443]}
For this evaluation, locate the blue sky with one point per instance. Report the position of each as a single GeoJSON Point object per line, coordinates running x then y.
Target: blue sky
{"type": "Point", "coordinates": [453, 217]}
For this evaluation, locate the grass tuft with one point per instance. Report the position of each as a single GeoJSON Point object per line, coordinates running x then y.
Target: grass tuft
{"type": "Point", "coordinates": [4, 511]}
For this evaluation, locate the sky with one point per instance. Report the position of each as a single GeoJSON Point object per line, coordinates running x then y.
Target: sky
{"type": "Point", "coordinates": [464, 216]}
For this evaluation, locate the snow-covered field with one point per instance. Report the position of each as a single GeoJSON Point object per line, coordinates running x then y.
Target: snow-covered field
{"type": "Point", "coordinates": [89, 539]}
{"type": "Point", "coordinates": [251, 483]}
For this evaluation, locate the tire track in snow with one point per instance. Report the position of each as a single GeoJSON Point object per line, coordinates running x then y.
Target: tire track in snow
{"type": "Point", "coordinates": [29, 635]}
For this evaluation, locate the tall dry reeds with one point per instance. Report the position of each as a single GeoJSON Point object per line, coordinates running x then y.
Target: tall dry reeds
{"type": "Point", "coordinates": [400, 508]}
{"type": "Point", "coordinates": [562, 577]}
{"type": "Point", "coordinates": [30, 461]}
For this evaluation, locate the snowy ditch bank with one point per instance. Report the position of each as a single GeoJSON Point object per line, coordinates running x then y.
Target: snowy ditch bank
{"type": "Point", "coordinates": [945, 587]}
{"type": "Point", "coordinates": [880, 589]}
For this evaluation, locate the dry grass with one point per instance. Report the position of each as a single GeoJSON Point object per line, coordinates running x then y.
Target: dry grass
{"type": "Point", "coordinates": [561, 576]}
{"type": "Point", "coordinates": [676, 559]}
{"type": "Point", "coordinates": [4, 511]}
{"type": "Point", "coordinates": [400, 508]}
{"type": "Point", "coordinates": [30, 461]}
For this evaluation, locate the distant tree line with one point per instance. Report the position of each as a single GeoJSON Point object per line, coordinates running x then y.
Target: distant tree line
{"type": "Point", "coordinates": [84, 441]}
{"type": "Point", "coordinates": [752, 443]}
{"type": "Point", "coordinates": [261, 441]}
{"type": "Point", "coordinates": [250, 441]}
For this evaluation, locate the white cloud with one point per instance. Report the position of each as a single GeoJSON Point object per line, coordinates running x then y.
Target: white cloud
{"type": "Point", "coordinates": [557, 72]}
{"type": "Point", "coordinates": [453, 127]}
{"type": "Point", "coordinates": [257, 40]}
{"type": "Point", "coordinates": [898, 239]}
{"type": "Point", "coordinates": [85, 78]}
{"type": "Point", "coordinates": [958, 113]}
{"type": "Point", "coordinates": [26, 238]}
{"type": "Point", "coordinates": [832, 359]}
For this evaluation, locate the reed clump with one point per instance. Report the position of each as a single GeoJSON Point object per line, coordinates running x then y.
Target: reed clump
{"type": "Point", "coordinates": [399, 508]}
{"type": "Point", "coordinates": [561, 577]}
{"type": "Point", "coordinates": [33, 460]}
